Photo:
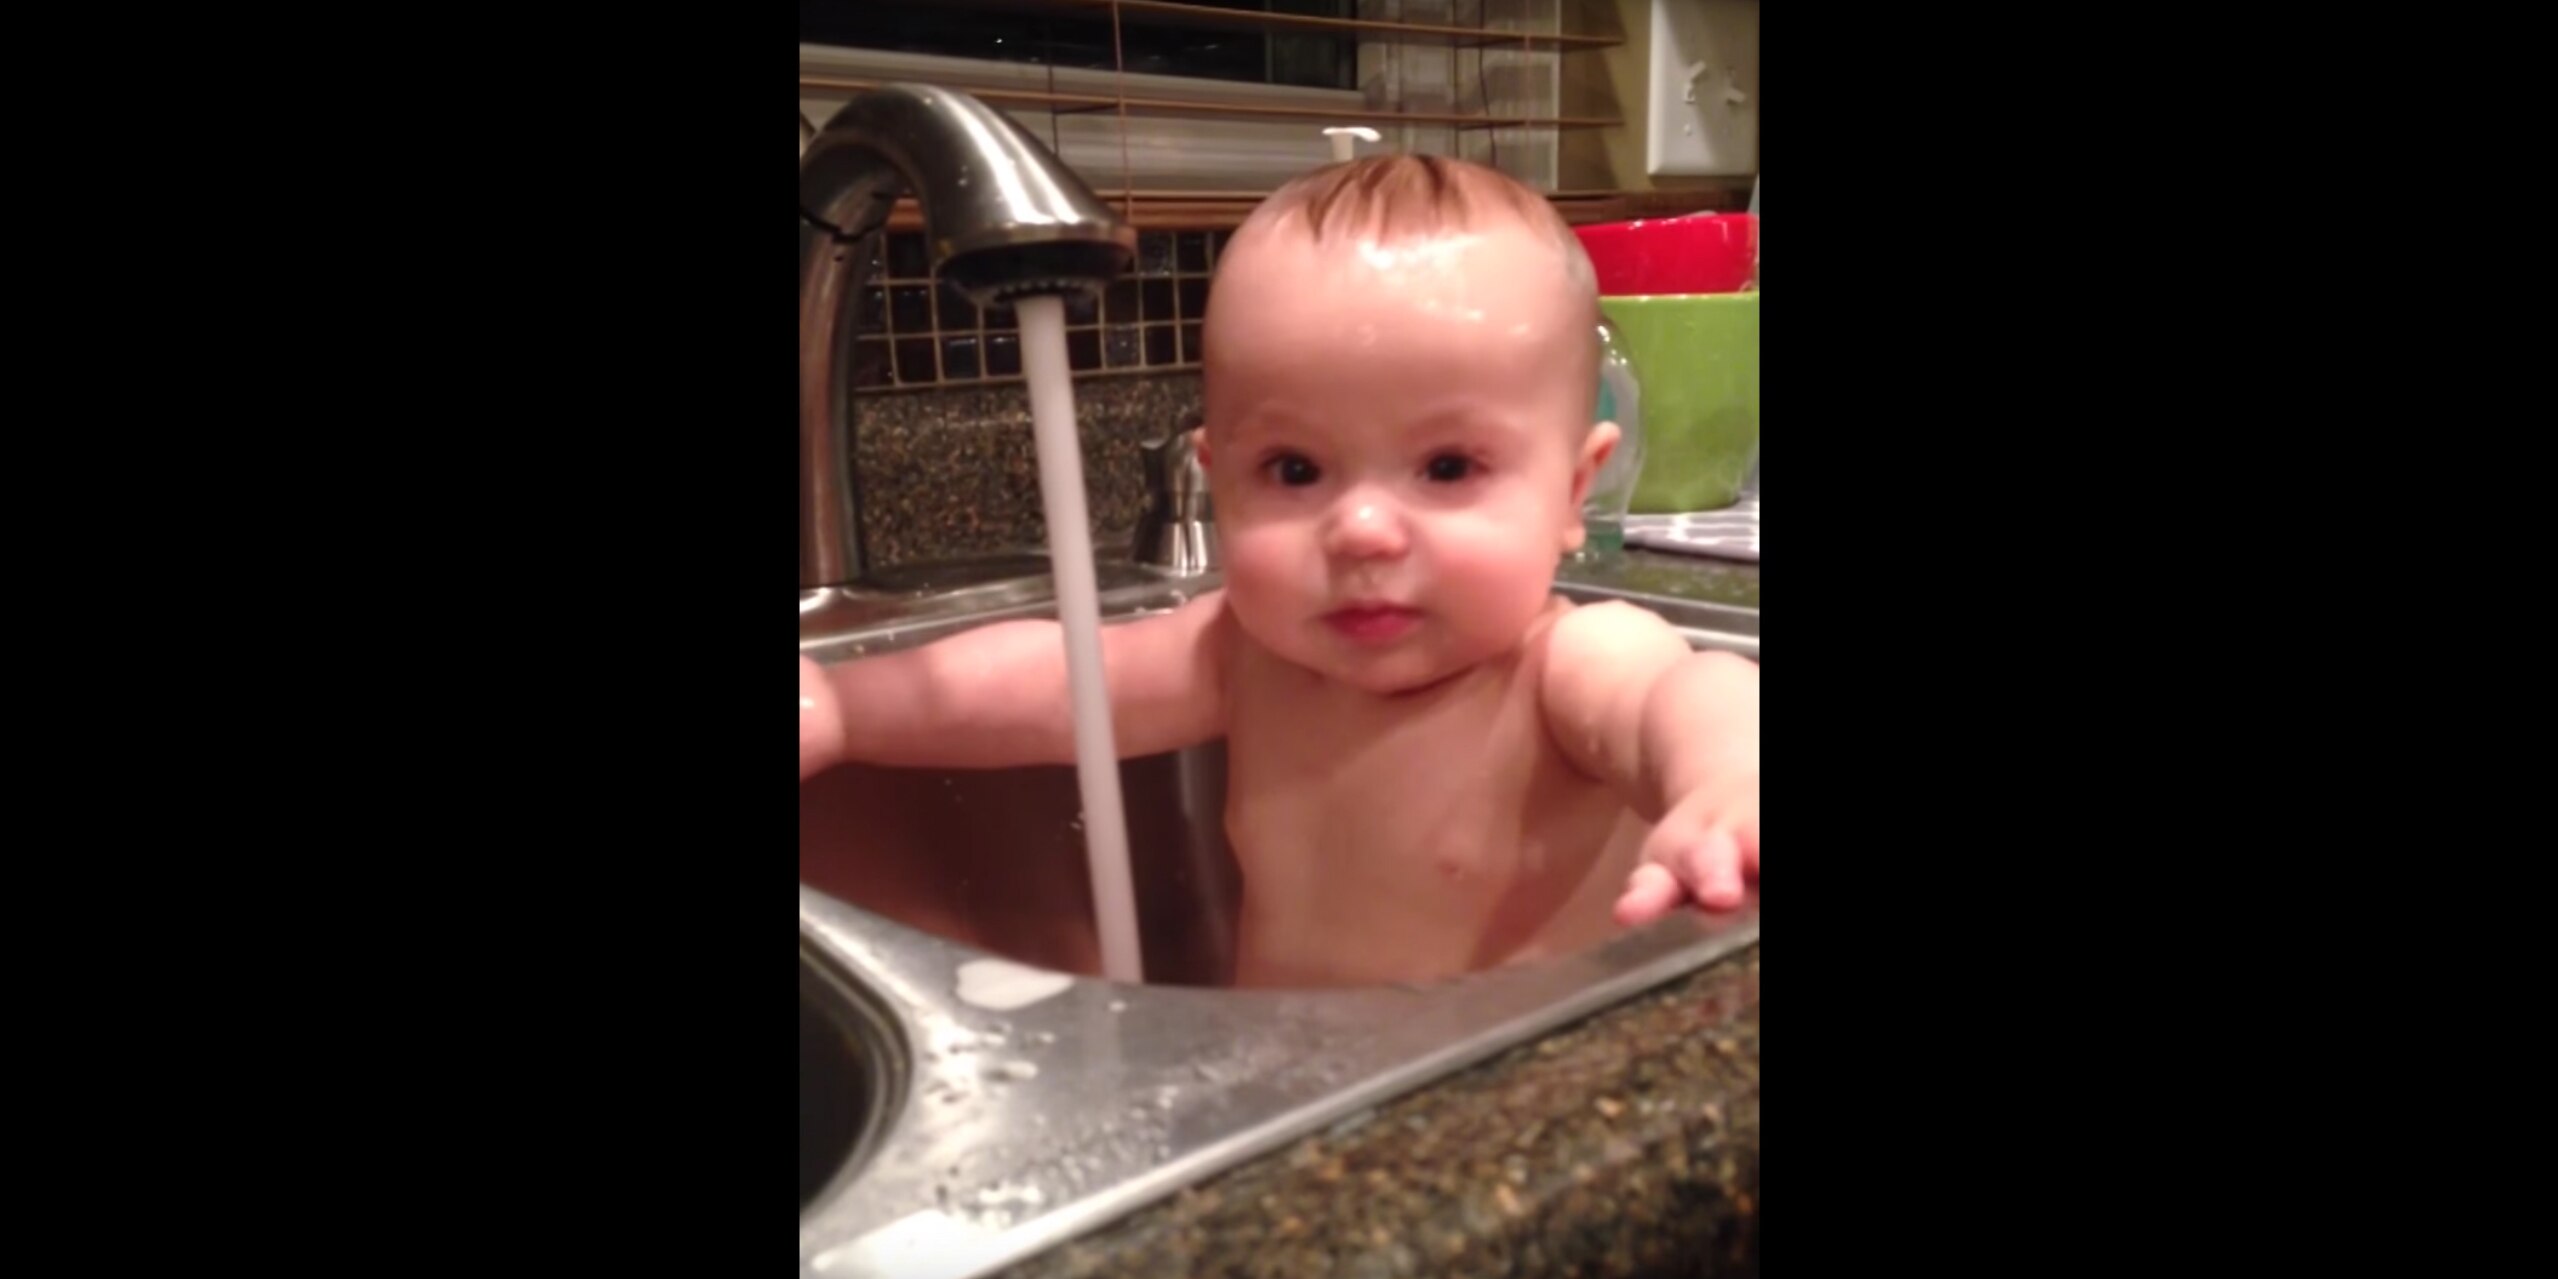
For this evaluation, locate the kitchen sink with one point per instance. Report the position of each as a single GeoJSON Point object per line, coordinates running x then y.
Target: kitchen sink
{"type": "Point", "coordinates": [947, 1132]}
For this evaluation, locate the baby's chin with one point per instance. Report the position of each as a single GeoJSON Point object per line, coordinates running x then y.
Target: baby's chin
{"type": "Point", "coordinates": [1421, 661]}
{"type": "Point", "coordinates": [1396, 675]}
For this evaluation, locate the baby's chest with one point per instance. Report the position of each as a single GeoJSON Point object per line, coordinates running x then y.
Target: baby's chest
{"type": "Point", "coordinates": [1410, 775]}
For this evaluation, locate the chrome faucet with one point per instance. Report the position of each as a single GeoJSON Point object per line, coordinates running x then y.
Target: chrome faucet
{"type": "Point", "coordinates": [1004, 219]}
{"type": "Point", "coordinates": [1178, 532]}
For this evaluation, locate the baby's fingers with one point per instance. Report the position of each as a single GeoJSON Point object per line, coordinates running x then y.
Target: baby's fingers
{"type": "Point", "coordinates": [1650, 892]}
{"type": "Point", "coordinates": [1709, 867]}
{"type": "Point", "coordinates": [821, 724]}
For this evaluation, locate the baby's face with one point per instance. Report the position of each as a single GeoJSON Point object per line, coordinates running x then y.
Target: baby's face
{"type": "Point", "coordinates": [1398, 445]}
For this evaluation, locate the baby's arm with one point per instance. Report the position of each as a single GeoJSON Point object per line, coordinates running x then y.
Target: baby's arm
{"type": "Point", "coordinates": [1678, 732]}
{"type": "Point", "coordinates": [995, 696]}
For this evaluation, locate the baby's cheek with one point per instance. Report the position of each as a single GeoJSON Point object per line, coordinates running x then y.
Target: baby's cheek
{"type": "Point", "coordinates": [1507, 575]}
{"type": "Point", "coordinates": [1257, 563]}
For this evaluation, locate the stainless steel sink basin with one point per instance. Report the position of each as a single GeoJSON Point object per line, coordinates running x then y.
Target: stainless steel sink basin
{"type": "Point", "coordinates": [978, 1135]}
{"type": "Point", "coordinates": [995, 859]}
{"type": "Point", "coordinates": [852, 1073]}
{"type": "Point", "coordinates": [966, 590]}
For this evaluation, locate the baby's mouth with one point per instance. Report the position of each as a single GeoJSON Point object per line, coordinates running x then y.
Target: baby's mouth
{"type": "Point", "coordinates": [1372, 621]}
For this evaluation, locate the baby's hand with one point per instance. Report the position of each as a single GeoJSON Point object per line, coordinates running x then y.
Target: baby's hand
{"type": "Point", "coordinates": [821, 721]}
{"type": "Point", "coordinates": [1705, 851]}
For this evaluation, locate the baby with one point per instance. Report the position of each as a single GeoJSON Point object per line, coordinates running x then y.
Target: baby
{"type": "Point", "coordinates": [1435, 765]}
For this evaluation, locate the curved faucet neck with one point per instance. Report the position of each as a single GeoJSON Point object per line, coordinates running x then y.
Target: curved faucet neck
{"type": "Point", "coordinates": [1004, 218]}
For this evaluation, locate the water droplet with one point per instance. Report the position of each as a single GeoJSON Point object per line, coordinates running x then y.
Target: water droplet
{"type": "Point", "coordinates": [1002, 987]}
{"type": "Point", "coordinates": [998, 1196]}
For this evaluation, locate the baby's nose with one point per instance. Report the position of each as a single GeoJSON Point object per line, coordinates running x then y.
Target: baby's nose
{"type": "Point", "coordinates": [1364, 527]}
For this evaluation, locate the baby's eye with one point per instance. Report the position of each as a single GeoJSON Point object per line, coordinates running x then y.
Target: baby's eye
{"type": "Point", "coordinates": [1292, 470]}
{"type": "Point", "coordinates": [1448, 468]}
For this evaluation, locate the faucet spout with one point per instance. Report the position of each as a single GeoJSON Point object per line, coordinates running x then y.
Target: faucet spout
{"type": "Point", "coordinates": [1004, 219]}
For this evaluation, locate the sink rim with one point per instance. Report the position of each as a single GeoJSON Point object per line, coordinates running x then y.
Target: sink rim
{"type": "Point", "coordinates": [892, 626]}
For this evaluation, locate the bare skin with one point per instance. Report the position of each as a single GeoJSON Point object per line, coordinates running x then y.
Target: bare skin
{"type": "Point", "coordinates": [1435, 766]}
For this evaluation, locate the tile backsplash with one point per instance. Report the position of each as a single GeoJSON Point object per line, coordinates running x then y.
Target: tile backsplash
{"type": "Point", "coordinates": [951, 472]}
{"type": "Point", "coordinates": [916, 332]}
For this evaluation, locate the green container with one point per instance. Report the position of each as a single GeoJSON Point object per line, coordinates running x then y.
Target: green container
{"type": "Point", "coordinates": [1697, 357]}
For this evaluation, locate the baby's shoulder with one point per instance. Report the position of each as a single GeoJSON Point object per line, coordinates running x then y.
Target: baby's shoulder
{"type": "Point", "coordinates": [1604, 625]}
{"type": "Point", "coordinates": [1591, 650]}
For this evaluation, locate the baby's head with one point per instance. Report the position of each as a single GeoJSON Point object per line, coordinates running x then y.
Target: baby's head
{"type": "Point", "coordinates": [1402, 356]}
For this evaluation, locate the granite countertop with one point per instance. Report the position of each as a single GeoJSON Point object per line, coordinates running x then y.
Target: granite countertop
{"type": "Point", "coordinates": [1626, 1144]}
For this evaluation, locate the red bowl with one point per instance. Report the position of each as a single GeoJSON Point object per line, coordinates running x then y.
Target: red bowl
{"type": "Point", "coordinates": [1701, 253]}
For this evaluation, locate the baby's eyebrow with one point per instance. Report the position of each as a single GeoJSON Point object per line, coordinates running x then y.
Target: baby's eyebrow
{"type": "Point", "coordinates": [1468, 421]}
{"type": "Point", "coordinates": [1264, 422]}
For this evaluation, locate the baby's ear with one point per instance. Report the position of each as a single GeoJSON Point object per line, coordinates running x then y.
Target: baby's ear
{"type": "Point", "coordinates": [1594, 454]}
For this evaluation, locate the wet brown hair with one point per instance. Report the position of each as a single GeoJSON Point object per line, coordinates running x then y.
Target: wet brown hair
{"type": "Point", "coordinates": [1409, 196]}
{"type": "Point", "coordinates": [1401, 198]}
